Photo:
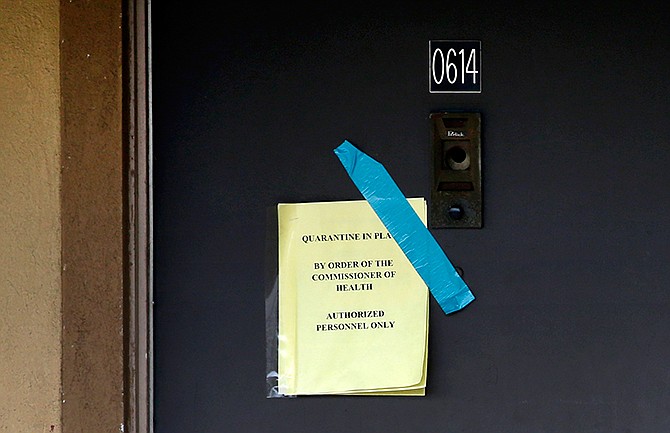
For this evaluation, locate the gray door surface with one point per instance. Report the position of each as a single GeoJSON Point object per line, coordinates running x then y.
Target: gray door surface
{"type": "Point", "coordinates": [570, 328]}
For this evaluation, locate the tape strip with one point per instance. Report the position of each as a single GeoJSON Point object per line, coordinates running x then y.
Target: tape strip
{"type": "Point", "coordinates": [420, 247]}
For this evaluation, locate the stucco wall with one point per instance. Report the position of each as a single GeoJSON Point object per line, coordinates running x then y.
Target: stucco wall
{"type": "Point", "coordinates": [30, 238]}
{"type": "Point", "coordinates": [92, 214]}
{"type": "Point", "coordinates": [61, 217]}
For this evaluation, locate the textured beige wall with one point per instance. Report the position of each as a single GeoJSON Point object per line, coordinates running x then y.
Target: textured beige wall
{"type": "Point", "coordinates": [92, 216]}
{"type": "Point", "coordinates": [30, 245]}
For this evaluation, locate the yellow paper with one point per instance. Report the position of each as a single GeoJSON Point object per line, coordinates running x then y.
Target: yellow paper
{"type": "Point", "coordinates": [353, 312]}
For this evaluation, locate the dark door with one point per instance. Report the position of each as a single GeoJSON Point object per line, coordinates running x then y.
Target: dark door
{"type": "Point", "coordinates": [570, 328]}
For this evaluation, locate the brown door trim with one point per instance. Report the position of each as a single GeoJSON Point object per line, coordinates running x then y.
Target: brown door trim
{"type": "Point", "coordinates": [139, 255]}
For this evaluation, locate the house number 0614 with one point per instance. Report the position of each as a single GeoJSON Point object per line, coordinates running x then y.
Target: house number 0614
{"type": "Point", "coordinates": [455, 67]}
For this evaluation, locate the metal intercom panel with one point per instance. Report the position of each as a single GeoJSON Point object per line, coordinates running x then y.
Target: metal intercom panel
{"type": "Point", "coordinates": [456, 192]}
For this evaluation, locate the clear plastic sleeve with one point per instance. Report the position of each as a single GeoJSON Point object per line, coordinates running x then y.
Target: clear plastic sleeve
{"type": "Point", "coordinates": [272, 308]}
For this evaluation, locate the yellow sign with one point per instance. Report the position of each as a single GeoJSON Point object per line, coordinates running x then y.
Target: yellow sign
{"type": "Point", "coordinates": [353, 312]}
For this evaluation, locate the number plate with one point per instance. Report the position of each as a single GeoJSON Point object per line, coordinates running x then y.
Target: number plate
{"type": "Point", "coordinates": [455, 66]}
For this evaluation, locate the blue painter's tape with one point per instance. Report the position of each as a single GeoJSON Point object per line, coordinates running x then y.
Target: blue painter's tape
{"type": "Point", "coordinates": [393, 209]}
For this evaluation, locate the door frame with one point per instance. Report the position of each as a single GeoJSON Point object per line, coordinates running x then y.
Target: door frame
{"type": "Point", "coordinates": [138, 382]}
